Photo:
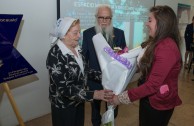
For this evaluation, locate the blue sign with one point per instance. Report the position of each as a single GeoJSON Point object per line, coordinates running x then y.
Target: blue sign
{"type": "Point", "coordinates": [12, 64]}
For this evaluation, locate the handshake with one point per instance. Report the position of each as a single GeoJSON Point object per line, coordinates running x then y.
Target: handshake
{"type": "Point", "coordinates": [107, 96]}
{"type": "Point", "coordinates": [112, 101]}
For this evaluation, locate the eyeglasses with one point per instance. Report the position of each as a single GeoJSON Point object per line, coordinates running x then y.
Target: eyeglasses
{"type": "Point", "coordinates": [104, 18]}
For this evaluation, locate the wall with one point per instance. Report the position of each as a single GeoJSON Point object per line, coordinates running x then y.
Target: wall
{"type": "Point", "coordinates": [31, 93]}
{"type": "Point", "coordinates": [173, 4]}
{"type": "Point", "coordinates": [183, 27]}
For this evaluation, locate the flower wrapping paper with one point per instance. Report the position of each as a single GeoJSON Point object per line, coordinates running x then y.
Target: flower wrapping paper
{"type": "Point", "coordinates": [116, 75]}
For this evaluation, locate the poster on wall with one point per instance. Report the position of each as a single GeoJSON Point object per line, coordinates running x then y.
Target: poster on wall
{"type": "Point", "coordinates": [12, 64]}
{"type": "Point", "coordinates": [184, 17]}
{"type": "Point", "coordinates": [128, 15]}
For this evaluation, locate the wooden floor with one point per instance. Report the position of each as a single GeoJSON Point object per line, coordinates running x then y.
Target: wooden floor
{"type": "Point", "coordinates": [128, 114]}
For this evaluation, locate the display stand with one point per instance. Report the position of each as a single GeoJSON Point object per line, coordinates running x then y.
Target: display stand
{"type": "Point", "coordinates": [12, 64]}
{"type": "Point", "coordinates": [8, 92]}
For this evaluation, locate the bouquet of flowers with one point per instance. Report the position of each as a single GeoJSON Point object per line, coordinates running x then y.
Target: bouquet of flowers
{"type": "Point", "coordinates": [117, 69]}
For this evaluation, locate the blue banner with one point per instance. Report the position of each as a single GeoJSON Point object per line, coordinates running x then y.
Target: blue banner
{"type": "Point", "coordinates": [12, 64]}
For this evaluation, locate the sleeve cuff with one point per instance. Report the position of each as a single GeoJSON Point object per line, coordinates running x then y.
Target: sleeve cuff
{"type": "Point", "coordinates": [124, 98]}
{"type": "Point", "coordinates": [90, 95]}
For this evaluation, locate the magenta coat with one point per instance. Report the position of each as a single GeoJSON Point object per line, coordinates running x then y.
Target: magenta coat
{"type": "Point", "coordinates": [165, 71]}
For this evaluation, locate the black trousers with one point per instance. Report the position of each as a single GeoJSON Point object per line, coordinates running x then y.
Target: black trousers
{"type": "Point", "coordinates": [148, 116]}
{"type": "Point", "coordinates": [96, 105]}
{"type": "Point", "coordinates": [71, 116]}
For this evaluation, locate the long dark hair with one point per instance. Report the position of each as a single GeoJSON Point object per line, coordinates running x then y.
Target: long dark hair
{"type": "Point", "coordinates": [167, 26]}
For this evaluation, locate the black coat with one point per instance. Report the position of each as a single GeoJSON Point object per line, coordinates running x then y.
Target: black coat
{"type": "Point", "coordinates": [189, 33]}
{"type": "Point", "coordinates": [68, 85]}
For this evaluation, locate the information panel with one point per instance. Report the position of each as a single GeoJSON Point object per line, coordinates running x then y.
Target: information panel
{"type": "Point", "coordinates": [12, 64]}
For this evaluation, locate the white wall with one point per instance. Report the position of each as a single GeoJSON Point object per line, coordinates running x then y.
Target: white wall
{"type": "Point", "coordinates": [30, 93]}
{"type": "Point", "coordinates": [183, 48]}
{"type": "Point", "coordinates": [173, 4]}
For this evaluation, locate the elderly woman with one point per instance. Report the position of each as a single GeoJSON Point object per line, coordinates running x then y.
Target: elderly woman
{"type": "Point", "coordinates": [68, 74]}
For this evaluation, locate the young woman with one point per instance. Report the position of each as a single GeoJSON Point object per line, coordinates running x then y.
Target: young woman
{"type": "Point", "coordinates": [160, 66]}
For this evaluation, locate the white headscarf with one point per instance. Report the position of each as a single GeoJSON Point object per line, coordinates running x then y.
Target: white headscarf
{"type": "Point", "coordinates": [60, 29]}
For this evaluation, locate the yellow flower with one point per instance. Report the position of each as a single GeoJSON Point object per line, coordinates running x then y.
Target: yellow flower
{"type": "Point", "coordinates": [116, 49]}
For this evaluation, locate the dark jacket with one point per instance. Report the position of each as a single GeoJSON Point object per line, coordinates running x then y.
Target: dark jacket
{"type": "Point", "coordinates": [89, 50]}
{"type": "Point", "coordinates": [189, 33]}
{"type": "Point", "coordinates": [68, 85]}
{"type": "Point", "coordinates": [88, 46]}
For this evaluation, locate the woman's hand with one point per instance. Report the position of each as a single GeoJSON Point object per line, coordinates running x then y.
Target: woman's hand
{"type": "Point", "coordinates": [115, 101]}
{"type": "Point", "coordinates": [122, 98]}
{"type": "Point", "coordinates": [105, 95]}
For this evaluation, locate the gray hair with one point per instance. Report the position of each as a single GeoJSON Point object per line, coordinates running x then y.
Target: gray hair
{"type": "Point", "coordinates": [103, 6]}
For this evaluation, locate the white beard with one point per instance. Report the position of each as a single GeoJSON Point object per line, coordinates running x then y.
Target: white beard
{"type": "Point", "coordinates": [108, 30]}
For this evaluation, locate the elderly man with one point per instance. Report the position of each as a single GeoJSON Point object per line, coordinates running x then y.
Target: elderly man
{"type": "Point", "coordinates": [114, 36]}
